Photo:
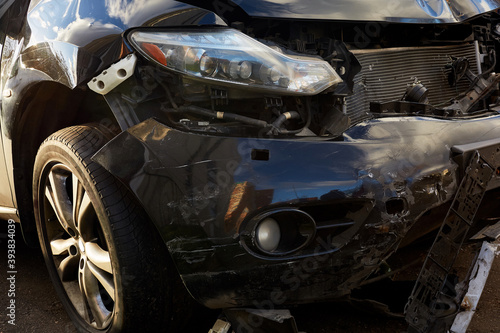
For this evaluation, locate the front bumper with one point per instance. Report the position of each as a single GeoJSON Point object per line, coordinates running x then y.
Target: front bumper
{"type": "Point", "coordinates": [201, 192]}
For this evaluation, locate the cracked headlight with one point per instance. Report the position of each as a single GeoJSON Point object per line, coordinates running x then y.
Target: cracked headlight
{"type": "Point", "coordinates": [231, 58]}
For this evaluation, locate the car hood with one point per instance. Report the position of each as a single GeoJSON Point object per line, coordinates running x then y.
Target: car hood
{"type": "Point", "coordinates": [404, 11]}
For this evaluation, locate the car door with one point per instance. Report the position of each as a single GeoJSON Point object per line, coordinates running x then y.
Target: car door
{"type": "Point", "coordinates": [6, 194]}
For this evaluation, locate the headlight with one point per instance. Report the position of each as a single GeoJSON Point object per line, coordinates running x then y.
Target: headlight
{"type": "Point", "coordinates": [229, 57]}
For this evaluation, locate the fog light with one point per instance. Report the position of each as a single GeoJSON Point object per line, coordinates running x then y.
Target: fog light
{"type": "Point", "coordinates": [278, 232]}
{"type": "Point", "coordinates": [268, 234]}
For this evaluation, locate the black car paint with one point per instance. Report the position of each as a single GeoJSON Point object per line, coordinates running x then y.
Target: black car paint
{"type": "Point", "coordinates": [378, 160]}
{"type": "Point", "coordinates": [82, 38]}
{"type": "Point", "coordinates": [186, 182]}
{"type": "Point", "coordinates": [66, 43]}
{"type": "Point", "coordinates": [406, 11]}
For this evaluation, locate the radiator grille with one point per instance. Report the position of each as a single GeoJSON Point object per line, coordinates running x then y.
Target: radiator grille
{"type": "Point", "coordinates": [385, 74]}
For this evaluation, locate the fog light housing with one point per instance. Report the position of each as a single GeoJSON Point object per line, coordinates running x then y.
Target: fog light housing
{"type": "Point", "coordinates": [268, 234]}
{"type": "Point", "coordinates": [278, 232]}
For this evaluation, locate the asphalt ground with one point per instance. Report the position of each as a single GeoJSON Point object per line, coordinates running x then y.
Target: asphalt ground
{"type": "Point", "coordinates": [38, 310]}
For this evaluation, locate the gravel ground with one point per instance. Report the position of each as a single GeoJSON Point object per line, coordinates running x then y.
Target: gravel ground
{"type": "Point", "coordinates": [39, 311]}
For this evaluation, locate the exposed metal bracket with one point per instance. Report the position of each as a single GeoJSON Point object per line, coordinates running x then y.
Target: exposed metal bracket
{"type": "Point", "coordinates": [490, 151]}
{"type": "Point", "coordinates": [480, 88]}
{"type": "Point", "coordinates": [434, 302]}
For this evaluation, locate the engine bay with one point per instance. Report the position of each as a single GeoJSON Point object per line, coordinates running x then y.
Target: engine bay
{"type": "Point", "coordinates": [386, 69]}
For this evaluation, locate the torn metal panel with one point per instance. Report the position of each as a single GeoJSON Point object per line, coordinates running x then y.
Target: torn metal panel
{"type": "Point", "coordinates": [491, 232]}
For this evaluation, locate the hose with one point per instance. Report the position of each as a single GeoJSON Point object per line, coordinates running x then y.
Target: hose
{"type": "Point", "coordinates": [285, 116]}
{"type": "Point", "coordinates": [224, 115]}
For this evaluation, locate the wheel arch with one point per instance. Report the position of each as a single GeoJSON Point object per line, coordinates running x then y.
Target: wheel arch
{"type": "Point", "coordinates": [44, 108]}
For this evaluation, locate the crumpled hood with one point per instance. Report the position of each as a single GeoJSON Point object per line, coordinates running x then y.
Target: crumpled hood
{"type": "Point", "coordinates": [405, 11]}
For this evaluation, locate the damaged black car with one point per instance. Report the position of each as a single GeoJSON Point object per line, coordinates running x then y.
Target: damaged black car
{"type": "Point", "coordinates": [248, 155]}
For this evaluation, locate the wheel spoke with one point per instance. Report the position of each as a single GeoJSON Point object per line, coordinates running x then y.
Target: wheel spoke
{"type": "Point", "coordinates": [57, 195]}
{"type": "Point", "coordinates": [105, 279]}
{"type": "Point", "coordinates": [83, 211]}
{"type": "Point", "coordinates": [77, 194]}
{"type": "Point", "coordinates": [86, 215]}
{"type": "Point", "coordinates": [61, 246]}
{"type": "Point", "coordinates": [83, 306]}
{"type": "Point", "coordinates": [97, 256]}
{"type": "Point", "coordinates": [68, 268]}
{"type": "Point", "coordinates": [90, 289]}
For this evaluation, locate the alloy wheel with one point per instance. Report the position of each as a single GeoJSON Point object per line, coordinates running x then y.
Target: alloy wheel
{"type": "Point", "coordinates": [79, 249]}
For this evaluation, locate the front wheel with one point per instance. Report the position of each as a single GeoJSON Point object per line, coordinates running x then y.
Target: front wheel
{"type": "Point", "coordinates": [107, 263]}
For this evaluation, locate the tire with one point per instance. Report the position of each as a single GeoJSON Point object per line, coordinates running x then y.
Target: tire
{"type": "Point", "coordinates": [106, 260]}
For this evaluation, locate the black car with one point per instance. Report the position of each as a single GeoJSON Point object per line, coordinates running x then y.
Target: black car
{"type": "Point", "coordinates": [267, 152]}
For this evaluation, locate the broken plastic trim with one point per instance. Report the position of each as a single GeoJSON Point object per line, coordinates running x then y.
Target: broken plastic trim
{"type": "Point", "coordinates": [480, 272]}
{"type": "Point", "coordinates": [112, 77]}
{"type": "Point", "coordinates": [243, 320]}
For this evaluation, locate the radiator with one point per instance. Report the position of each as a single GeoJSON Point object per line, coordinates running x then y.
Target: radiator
{"type": "Point", "coordinates": [386, 73]}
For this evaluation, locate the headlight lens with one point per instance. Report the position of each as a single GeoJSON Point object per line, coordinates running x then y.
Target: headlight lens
{"type": "Point", "coordinates": [230, 57]}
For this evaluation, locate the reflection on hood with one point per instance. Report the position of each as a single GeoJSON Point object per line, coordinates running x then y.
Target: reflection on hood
{"type": "Point", "coordinates": [408, 11]}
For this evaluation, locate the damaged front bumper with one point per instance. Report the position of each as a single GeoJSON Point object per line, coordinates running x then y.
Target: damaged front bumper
{"type": "Point", "coordinates": [359, 198]}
